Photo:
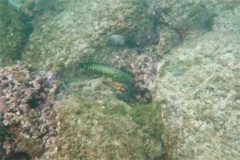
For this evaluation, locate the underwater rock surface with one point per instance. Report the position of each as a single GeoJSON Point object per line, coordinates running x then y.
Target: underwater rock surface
{"type": "Point", "coordinates": [196, 88]}
{"type": "Point", "coordinates": [96, 125]}
{"type": "Point", "coordinates": [79, 35]}
{"type": "Point", "coordinates": [13, 33]}
{"type": "Point", "coordinates": [198, 85]}
{"type": "Point", "coordinates": [28, 112]}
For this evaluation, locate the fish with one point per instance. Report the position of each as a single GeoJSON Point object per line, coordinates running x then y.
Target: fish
{"type": "Point", "coordinates": [116, 74]}
{"type": "Point", "coordinates": [120, 41]}
{"type": "Point", "coordinates": [126, 92]}
{"type": "Point", "coordinates": [121, 87]}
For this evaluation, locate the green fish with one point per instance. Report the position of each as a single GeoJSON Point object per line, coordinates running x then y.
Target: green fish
{"type": "Point", "coordinates": [116, 74]}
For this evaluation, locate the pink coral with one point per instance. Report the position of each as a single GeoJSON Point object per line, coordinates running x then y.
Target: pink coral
{"type": "Point", "coordinates": [28, 112]}
{"type": "Point", "coordinates": [144, 70]}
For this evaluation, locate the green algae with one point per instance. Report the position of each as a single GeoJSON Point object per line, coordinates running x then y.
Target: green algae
{"type": "Point", "coordinates": [14, 32]}
{"type": "Point", "coordinates": [142, 114]}
{"type": "Point", "coordinates": [101, 127]}
{"type": "Point", "coordinates": [118, 109]}
{"type": "Point", "coordinates": [149, 117]}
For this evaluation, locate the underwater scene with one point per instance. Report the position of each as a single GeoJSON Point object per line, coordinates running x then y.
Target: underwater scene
{"type": "Point", "coordinates": [119, 79]}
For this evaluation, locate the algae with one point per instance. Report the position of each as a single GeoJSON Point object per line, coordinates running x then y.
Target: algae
{"type": "Point", "coordinates": [104, 129]}
{"type": "Point", "coordinates": [13, 34]}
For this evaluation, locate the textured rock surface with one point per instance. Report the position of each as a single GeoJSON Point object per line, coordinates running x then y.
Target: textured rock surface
{"type": "Point", "coordinates": [184, 16]}
{"type": "Point", "coordinates": [228, 20]}
{"type": "Point", "coordinates": [96, 125]}
{"type": "Point", "coordinates": [198, 86]}
{"type": "Point", "coordinates": [79, 35]}
{"type": "Point", "coordinates": [197, 82]}
{"type": "Point", "coordinates": [13, 34]}
{"type": "Point", "coordinates": [28, 113]}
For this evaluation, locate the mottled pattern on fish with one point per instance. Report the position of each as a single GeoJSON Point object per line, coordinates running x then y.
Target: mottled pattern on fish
{"type": "Point", "coordinates": [121, 87]}
{"type": "Point", "coordinates": [116, 74]}
{"type": "Point", "coordinates": [127, 91]}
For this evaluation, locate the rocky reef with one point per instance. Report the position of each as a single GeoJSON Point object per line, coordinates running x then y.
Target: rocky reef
{"type": "Point", "coordinates": [177, 61]}
{"type": "Point", "coordinates": [198, 84]}
{"type": "Point", "coordinates": [96, 125]}
{"type": "Point", "coordinates": [79, 36]}
{"type": "Point", "coordinates": [28, 111]}
{"type": "Point", "coordinates": [13, 34]}
{"type": "Point", "coordinates": [83, 37]}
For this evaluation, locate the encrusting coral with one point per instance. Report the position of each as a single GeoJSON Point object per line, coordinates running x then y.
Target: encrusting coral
{"type": "Point", "coordinates": [29, 114]}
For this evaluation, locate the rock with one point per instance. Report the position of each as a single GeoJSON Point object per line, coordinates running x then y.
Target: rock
{"type": "Point", "coordinates": [79, 35]}
{"type": "Point", "coordinates": [96, 125]}
{"type": "Point", "coordinates": [184, 16]}
{"type": "Point", "coordinates": [13, 34]}
{"type": "Point", "coordinates": [198, 87]}
{"type": "Point", "coordinates": [228, 19]}
{"type": "Point", "coordinates": [29, 113]}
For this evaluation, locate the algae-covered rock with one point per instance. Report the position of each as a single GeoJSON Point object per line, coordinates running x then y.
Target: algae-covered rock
{"type": "Point", "coordinates": [29, 113]}
{"type": "Point", "coordinates": [95, 125]}
{"type": "Point", "coordinates": [13, 34]}
{"type": "Point", "coordinates": [228, 19]}
{"type": "Point", "coordinates": [198, 81]}
{"type": "Point", "coordinates": [79, 33]}
{"type": "Point", "coordinates": [169, 38]}
{"type": "Point", "coordinates": [184, 16]}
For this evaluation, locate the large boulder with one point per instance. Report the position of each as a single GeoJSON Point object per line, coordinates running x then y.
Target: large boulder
{"type": "Point", "coordinates": [198, 87]}
{"type": "Point", "coordinates": [96, 125]}
{"type": "Point", "coordinates": [79, 34]}
{"type": "Point", "coordinates": [228, 19]}
{"type": "Point", "coordinates": [14, 33]}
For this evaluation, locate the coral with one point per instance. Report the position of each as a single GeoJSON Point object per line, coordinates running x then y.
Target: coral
{"type": "Point", "coordinates": [29, 113]}
{"type": "Point", "coordinates": [13, 34]}
{"type": "Point", "coordinates": [144, 69]}
{"type": "Point", "coordinates": [189, 86]}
